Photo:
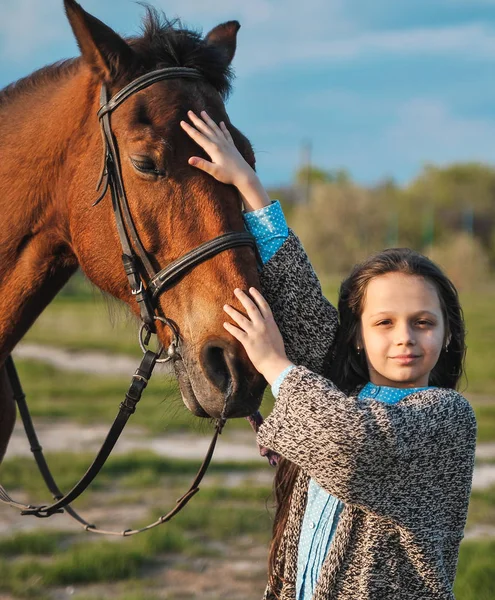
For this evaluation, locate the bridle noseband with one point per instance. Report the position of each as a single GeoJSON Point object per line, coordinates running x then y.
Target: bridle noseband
{"type": "Point", "coordinates": [146, 286]}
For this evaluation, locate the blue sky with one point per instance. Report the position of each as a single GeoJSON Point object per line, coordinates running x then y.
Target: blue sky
{"type": "Point", "coordinates": [379, 87]}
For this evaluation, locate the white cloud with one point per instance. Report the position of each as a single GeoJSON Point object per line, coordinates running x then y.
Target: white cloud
{"type": "Point", "coordinates": [476, 41]}
{"type": "Point", "coordinates": [275, 34]}
{"type": "Point", "coordinates": [30, 26]}
{"type": "Point", "coordinates": [426, 129]}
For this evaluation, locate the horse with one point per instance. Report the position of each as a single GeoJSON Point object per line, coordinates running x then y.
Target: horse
{"type": "Point", "coordinates": [50, 161]}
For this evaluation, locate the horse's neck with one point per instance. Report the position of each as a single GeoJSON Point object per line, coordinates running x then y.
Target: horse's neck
{"type": "Point", "coordinates": [36, 257]}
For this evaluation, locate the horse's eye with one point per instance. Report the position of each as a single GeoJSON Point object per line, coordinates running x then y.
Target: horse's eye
{"type": "Point", "coordinates": [145, 164]}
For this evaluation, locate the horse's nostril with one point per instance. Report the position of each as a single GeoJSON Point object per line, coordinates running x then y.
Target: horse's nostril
{"type": "Point", "coordinates": [216, 367]}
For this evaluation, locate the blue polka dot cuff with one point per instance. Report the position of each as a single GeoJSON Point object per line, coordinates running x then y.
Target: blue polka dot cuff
{"type": "Point", "coordinates": [278, 382]}
{"type": "Point", "coordinates": [269, 228]}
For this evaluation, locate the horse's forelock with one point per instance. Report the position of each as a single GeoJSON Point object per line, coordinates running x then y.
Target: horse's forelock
{"type": "Point", "coordinates": [166, 43]}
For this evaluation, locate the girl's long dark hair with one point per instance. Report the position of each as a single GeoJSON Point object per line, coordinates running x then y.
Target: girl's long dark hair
{"type": "Point", "coordinates": [348, 369]}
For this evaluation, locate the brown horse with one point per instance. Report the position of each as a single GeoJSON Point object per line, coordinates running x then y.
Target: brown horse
{"type": "Point", "coordinates": [50, 160]}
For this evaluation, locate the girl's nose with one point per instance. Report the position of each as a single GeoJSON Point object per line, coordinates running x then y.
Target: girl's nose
{"type": "Point", "coordinates": [405, 336]}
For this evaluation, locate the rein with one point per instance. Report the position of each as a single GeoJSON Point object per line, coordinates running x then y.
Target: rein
{"type": "Point", "coordinates": [146, 286]}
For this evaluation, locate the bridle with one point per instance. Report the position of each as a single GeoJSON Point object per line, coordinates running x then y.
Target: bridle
{"type": "Point", "coordinates": [146, 287]}
{"type": "Point", "coordinates": [145, 283]}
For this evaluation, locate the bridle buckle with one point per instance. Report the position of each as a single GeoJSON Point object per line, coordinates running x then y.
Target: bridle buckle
{"type": "Point", "coordinates": [139, 290]}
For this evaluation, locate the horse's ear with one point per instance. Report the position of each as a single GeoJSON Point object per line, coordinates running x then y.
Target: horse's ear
{"type": "Point", "coordinates": [102, 49]}
{"type": "Point", "coordinates": [224, 37]}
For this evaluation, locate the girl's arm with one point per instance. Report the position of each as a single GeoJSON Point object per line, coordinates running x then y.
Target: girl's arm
{"type": "Point", "coordinates": [308, 322]}
{"type": "Point", "coordinates": [407, 462]}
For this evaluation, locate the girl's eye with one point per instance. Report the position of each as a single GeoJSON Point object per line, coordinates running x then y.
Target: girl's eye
{"type": "Point", "coordinates": [147, 165]}
{"type": "Point", "coordinates": [425, 323]}
{"type": "Point", "coordinates": [385, 322]}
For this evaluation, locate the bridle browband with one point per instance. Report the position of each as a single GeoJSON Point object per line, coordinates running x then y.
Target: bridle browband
{"type": "Point", "coordinates": [146, 286]}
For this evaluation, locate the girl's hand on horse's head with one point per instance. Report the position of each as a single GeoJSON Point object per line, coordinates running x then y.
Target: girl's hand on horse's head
{"type": "Point", "coordinates": [258, 333]}
{"type": "Point", "coordinates": [227, 164]}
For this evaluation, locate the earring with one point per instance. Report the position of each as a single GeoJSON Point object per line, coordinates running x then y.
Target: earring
{"type": "Point", "coordinates": [358, 348]}
{"type": "Point", "coordinates": [446, 348]}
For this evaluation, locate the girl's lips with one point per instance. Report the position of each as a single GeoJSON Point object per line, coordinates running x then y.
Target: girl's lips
{"type": "Point", "coordinates": [406, 358]}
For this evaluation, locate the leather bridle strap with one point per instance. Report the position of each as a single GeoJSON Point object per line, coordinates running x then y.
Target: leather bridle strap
{"type": "Point", "coordinates": [146, 284]}
{"type": "Point", "coordinates": [127, 408]}
{"type": "Point", "coordinates": [176, 269]}
{"type": "Point", "coordinates": [145, 81]}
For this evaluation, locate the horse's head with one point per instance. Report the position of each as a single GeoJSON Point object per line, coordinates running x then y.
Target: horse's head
{"type": "Point", "coordinates": [175, 208]}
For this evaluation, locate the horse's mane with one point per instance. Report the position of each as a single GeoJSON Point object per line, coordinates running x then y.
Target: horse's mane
{"type": "Point", "coordinates": [37, 79]}
{"type": "Point", "coordinates": [163, 44]}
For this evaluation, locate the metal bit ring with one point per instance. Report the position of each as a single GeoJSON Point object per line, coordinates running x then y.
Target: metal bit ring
{"type": "Point", "coordinates": [171, 350]}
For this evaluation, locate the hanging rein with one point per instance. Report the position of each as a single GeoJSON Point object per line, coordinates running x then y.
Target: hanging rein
{"type": "Point", "coordinates": [146, 286]}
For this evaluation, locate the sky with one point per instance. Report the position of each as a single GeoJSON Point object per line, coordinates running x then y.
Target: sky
{"type": "Point", "coordinates": [378, 88]}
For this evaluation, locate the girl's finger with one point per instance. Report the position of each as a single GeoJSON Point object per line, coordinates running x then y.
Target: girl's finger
{"type": "Point", "coordinates": [263, 305]}
{"type": "Point", "coordinates": [204, 165]}
{"type": "Point", "coordinates": [211, 122]}
{"type": "Point", "coordinates": [226, 132]}
{"type": "Point", "coordinates": [236, 332]}
{"type": "Point", "coordinates": [243, 322]}
{"type": "Point", "coordinates": [201, 126]}
{"type": "Point", "coordinates": [197, 136]}
{"type": "Point", "coordinates": [251, 308]}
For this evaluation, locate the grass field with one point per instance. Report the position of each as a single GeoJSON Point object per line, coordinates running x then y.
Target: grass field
{"type": "Point", "coordinates": [218, 523]}
{"type": "Point", "coordinates": [224, 526]}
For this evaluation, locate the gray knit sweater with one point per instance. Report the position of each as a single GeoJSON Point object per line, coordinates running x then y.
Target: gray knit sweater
{"type": "Point", "coordinates": [403, 471]}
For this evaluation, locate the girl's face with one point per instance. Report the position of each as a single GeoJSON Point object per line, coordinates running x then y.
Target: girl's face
{"type": "Point", "coordinates": [402, 329]}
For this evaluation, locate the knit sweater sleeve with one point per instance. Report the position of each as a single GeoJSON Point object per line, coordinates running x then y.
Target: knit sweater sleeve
{"type": "Point", "coordinates": [411, 462]}
{"type": "Point", "coordinates": [307, 320]}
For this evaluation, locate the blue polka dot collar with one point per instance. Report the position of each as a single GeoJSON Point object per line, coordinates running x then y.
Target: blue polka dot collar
{"type": "Point", "coordinates": [384, 393]}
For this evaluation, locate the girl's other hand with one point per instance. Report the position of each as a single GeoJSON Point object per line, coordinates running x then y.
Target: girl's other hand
{"type": "Point", "coordinates": [259, 334]}
{"type": "Point", "coordinates": [227, 165]}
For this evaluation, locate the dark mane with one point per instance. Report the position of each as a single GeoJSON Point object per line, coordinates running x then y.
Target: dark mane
{"type": "Point", "coordinates": [163, 44]}
{"type": "Point", "coordinates": [167, 43]}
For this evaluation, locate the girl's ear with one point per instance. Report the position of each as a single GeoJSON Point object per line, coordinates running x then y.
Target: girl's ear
{"type": "Point", "coordinates": [102, 49]}
{"type": "Point", "coordinates": [224, 37]}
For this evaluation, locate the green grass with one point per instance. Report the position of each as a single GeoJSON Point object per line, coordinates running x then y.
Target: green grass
{"type": "Point", "coordinates": [34, 563]}
{"type": "Point", "coordinates": [476, 570]}
{"type": "Point", "coordinates": [88, 321]}
{"type": "Point", "coordinates": [33, 542]}
{"type": "Point", "coordinates": [89, 563]}
{"type": "Point", "coordinates": [480, 325]}
{"type": "Point", "coordinates": [53, 393]}
{"type": "Point", "coordinates": [63, 561]}
{"type": "Point", "coordinates": [485, 417]}
{"type": "Point", "coordinates": [482, 507]}
{"type": "Point", "coordinates": [124, 471]}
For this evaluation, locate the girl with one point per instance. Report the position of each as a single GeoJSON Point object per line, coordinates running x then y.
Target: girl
{"type": "Point", "coordinates": [378, 448]}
